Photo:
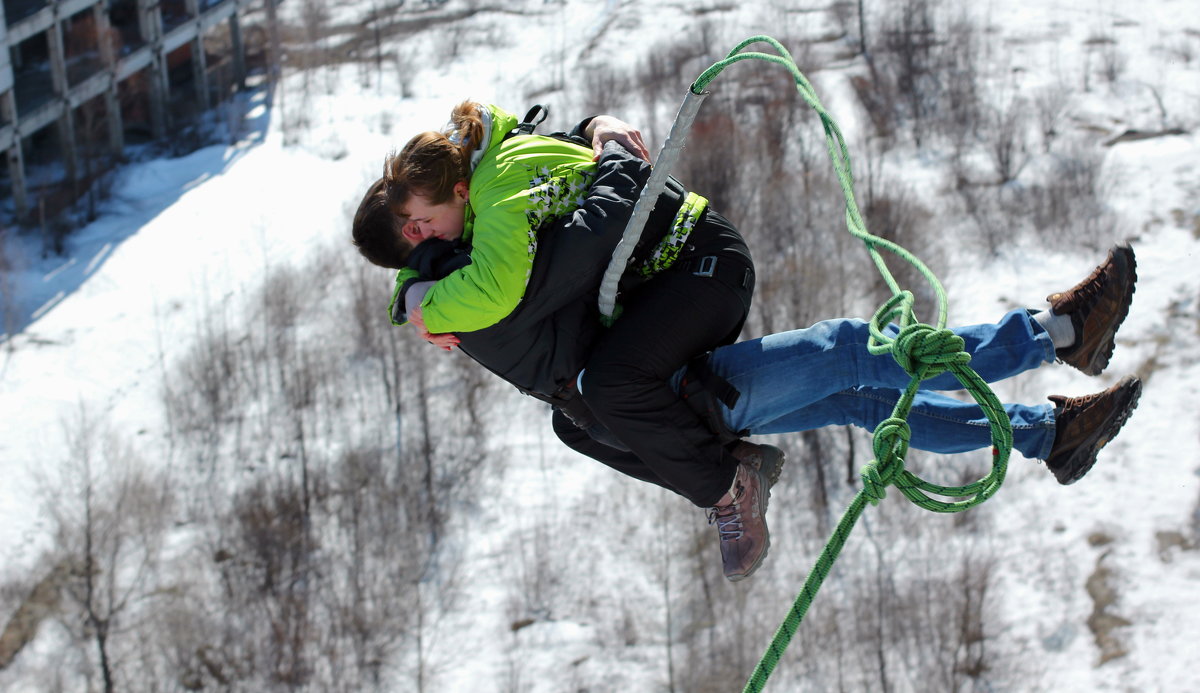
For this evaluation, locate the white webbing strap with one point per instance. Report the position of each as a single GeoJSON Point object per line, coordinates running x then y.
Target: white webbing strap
{"type": "Point", "coordinates": [667, 157]}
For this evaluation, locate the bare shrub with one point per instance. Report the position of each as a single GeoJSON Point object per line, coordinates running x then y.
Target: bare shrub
{"type": "Point", "coordinates": [718, 657]}
{"type": "Point", "coordinates": [34, 605]}
{"type": "Point", "coordinates": [898, 218]}
{"type": "Point", "coordinates": [908, 43]}
{"type": "Point", "coordinates": [1069, 207]}
{"type": "Point", "coordinates": [379, 561]}
{"type": "Point", "coordinates": [347, 447]}
{"type": "Point", "coordinates": [1113, 62]}
{"type": "Point", "coordinates": [662, 78]}
{"type": "Point", "coordinates": [960, 99]}
{"type": "Point", "coordinates": [850, 20]}
{"type": "Point", "coordinates": [1049, 104]}
{"type": "Point", "coordinates": [878, 101]}
{"type": "Point", "coordinates": [204, 394]}
{"type": "Point", "coordinates": [923, 75]}
{"type": "Point", "coordinates": [601, 89]}
{"type": "Point", "coordinates": [912, 604]}
{"type": "Point", "coordinates": [271, 571]}
{"type": "Point", "coordinates": [1110, 61]}
{"type": "Point", "coordinates": [1007, 137]}
{"type": "Point", "coordinates": [708, 167]}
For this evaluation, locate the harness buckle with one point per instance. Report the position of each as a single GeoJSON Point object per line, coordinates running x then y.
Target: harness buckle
{"type": "Point", "coordinates": [706, 267]}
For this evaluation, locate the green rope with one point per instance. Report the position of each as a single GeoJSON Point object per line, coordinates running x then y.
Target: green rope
{"type": "Point", "coordinates": [924, 351]}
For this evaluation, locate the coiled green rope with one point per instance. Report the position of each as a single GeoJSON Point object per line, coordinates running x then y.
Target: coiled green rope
{"type": "Point", "coordinates": [924, 351]}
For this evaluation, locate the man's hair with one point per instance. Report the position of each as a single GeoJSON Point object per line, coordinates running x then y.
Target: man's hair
{"type": "Point", "coordinates": [376, 230]}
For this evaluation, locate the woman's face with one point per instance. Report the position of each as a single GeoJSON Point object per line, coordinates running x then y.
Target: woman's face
{"type": "Point", "coordinates": [422, 220]}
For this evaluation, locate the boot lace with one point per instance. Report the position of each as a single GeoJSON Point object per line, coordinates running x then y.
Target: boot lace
{"type": "Point", "coordinates": [728, 521]}
{"type": "Point", "coordinates": [1087, 292]}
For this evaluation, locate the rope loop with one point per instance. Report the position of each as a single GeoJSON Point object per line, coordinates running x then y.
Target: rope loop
{"type": "Point", "coordinates": [890, 443]}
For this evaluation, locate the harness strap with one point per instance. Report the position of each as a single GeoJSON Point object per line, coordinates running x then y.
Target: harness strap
{"type": "Point", "coordinates": [528, 124]}
{"type": "Point", "coordinates": [704, 391]}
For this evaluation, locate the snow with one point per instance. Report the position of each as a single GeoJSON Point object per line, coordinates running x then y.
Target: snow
{"type": "Point", "coordinates": [182, 235]}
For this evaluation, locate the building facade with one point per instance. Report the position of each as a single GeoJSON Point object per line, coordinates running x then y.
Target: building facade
{"type": "Point", "coordinates": [77, 77]}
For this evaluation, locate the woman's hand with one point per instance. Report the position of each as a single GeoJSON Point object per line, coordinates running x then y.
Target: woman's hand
{"type": "Point", "coordinates": [604, 128]}
{"type": "Point", "coordinates": [445, 341]}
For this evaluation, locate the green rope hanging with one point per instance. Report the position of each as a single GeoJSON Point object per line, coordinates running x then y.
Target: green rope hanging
{"type": "Point", "coordinates": [924, 351]}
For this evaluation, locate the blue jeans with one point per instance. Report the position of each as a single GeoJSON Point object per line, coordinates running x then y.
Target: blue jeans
{"type": "Point", "coordinates": [823, 375]}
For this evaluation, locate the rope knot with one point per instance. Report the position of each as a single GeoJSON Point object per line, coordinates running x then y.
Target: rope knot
{"type": "Point", "coordinates": [890, 445]}
{"type": "Point", "coordinates": [926, 351]}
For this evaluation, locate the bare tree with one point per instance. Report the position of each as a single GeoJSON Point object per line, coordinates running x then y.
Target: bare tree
{"type": "Point", "coordinates": [111, 518]}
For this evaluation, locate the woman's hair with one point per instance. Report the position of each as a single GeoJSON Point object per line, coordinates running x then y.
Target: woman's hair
{"type": "Point", "coordinates": [430, 165]}
{"type": "Point", "coordinates": [376, 229]}
{"type": "Point", "coordinates": [433, 162]}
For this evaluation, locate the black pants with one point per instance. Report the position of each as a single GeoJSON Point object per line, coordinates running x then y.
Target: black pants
{"type": "Point", "coordinates": [675, 316]}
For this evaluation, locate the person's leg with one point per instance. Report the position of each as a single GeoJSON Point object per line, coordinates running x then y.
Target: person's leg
{"type": "Point", "coordinates": [620, 459]}
{"type": "Point", "coordinates": [939, 423]}
{"type": "Point", "coordinates": [668, 321]}
{"type": "Point", "coordinates": [788, 371]}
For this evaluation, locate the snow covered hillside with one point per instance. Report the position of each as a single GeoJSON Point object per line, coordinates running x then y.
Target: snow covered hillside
{"type": "Point", "coordinates": [224, 470]}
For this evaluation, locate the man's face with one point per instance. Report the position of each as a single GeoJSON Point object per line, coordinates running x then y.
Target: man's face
{"type": "Point", "coordinates": [422, 220]}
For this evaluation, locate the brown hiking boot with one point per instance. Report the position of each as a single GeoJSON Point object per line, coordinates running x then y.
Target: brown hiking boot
{"type": "Point", "coordinates": [742, 525]}
{"type": "Point", "coordinates": [1097, 306]}
{"type": "Point", "coordinates": [1084, 425]}
{"type": "Point", "coordinates": [766, 458]}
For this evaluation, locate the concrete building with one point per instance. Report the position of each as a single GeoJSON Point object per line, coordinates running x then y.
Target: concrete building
{"type": "Point", "coordinates": [79, 77]}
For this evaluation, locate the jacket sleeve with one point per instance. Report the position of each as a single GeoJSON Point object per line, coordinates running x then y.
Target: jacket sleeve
{"type": "Point", "coordinates": [577, 132]}
{"type": "Point", "coordinates": [431, 260]}
{"type": "Point", "coordinates": [396, 309]}
{"type": "Point", "coordinates": [488, 289]}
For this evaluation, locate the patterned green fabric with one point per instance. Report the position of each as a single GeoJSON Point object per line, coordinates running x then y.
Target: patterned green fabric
{"type": "Point", "coordinates": [667, 250]}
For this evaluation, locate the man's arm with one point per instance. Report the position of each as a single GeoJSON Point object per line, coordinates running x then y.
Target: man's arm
{"type": "Point", "coordinates": [606, 128]}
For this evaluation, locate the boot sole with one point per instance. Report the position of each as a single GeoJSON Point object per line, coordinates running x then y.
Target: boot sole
{"type": "Point", "coordinates": [1097, 361]}
{"type": "Point", "coordinates": [1133, 393]}
{"type": "Point", "coordinates": [772, 463]}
